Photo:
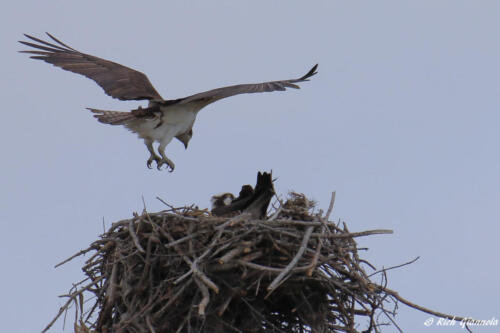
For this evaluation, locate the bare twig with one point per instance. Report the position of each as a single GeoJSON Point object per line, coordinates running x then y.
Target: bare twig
{"type": "Point", "coordinates": [330, 207]}
{"type": "Point", "coordinates": [134, 236]}
{"type": "Point", "coordinates": [71, 298]}
{"type": "Point", "coordinates": [421, 308]}
{"type": "Point", "coordinates": [82, 252]}
{"type": "Point", "coordinates": [393, 267]}
{"type": "Point", "coordinates": [292, 263]}
{"type": "Point", "coordinates": [206, 297]}
{"type": "Point", "coordinates": [193, 268]}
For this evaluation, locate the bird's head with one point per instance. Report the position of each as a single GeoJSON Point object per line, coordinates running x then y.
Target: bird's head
{"type": "Point", "coordinates": [185, 137]}
{"type": "Point", "coordinates": [220, 200]}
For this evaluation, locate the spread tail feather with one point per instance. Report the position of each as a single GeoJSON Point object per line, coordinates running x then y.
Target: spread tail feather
{"type": "Point", "coordinates": [112, 117]}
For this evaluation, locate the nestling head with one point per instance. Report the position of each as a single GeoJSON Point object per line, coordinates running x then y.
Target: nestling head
{"type": "Point", "coordinates": [222, 199]}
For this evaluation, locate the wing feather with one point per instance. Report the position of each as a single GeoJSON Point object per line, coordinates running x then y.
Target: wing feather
{"type": "Point", "coordinates": [211, 96]}
{"type": "Point", "coordinates": [117, 80]}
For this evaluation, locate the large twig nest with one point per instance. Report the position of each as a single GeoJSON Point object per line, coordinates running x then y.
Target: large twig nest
{"type": "Point", "coordinates": [183, 270]}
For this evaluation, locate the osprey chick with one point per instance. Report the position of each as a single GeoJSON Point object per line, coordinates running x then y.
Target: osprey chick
{"type": "Point", "coordinates": [250, 200]}
{"type": "Point", "coordinates": [221, 200]}
{"type": "Point", "coordinates": [162, 120]}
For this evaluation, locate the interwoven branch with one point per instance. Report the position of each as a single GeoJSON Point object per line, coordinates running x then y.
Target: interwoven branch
{"type": "Point", "coordinates": [183, 270]}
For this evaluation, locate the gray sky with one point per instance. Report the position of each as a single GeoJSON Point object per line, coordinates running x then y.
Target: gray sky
{"type": "Point", "coordinates": [402, 121]}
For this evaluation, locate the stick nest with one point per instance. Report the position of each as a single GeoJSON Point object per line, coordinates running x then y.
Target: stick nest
{"type": "Point", "coordinates": [183, 270]}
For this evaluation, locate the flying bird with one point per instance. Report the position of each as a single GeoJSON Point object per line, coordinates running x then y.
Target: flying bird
{"type": "Point", "coordinates": [162, 120]}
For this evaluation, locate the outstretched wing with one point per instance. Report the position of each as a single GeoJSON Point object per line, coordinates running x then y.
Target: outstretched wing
{"type": "Point", "coordinates": [117, 80]}
{"type": "Point", "coordinates": [211, 96]}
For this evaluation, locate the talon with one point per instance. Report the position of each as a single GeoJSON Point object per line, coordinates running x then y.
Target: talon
{"type": "Point", "coordinates": [163, 160]}
{"type": "Point", "coordinates": [170, 164]}
{"type": "Point", "coordinates": [151, 159]}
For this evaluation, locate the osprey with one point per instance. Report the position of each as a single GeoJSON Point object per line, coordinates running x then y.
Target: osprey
{"type": "Point", "coordinates": [162, 120]}
{"type": "Point", "coordinates": [250, 200]}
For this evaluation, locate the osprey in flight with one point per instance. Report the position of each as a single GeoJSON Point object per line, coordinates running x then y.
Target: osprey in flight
{"type": "Point", "coordinates": [162, 120]}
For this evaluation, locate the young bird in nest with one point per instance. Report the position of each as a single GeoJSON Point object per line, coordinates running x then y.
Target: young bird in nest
{"type": "Point", "coordinates": [249, 200]}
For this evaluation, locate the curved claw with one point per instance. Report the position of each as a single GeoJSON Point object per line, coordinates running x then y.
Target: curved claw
{"type": "Point", "coordinates": [170, 166]}
{"type": "Point", "coordinates": [150, 161]}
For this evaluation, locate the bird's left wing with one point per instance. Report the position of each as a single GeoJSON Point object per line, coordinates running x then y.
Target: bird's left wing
{"type": "Point", "coordinates": [211, 96]}
{"type": "Point", "coordinates": [117, 80]}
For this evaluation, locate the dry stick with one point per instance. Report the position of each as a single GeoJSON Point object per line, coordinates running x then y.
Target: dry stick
{"type": "Point", "coordinates": [355, 234]}
{"type": "Point", "coordinates": [172, 299]}
{"type": "Point", "coordinates": [244, 247]}
{"type": "Point", "coordinates": [220, 230]}
{"type": "Point", "coordinates": [278, 211]}
{"type": "Point", "coordinates": [188, 218]}
{"type": "Point", "coordinates": [357, 267]}
{"type": "Point", "coordinates": [167, 204]}
{"type": "Point", "coordinates": [292, 263]}
{"type": "Point", "coordinates": [150, 327]}
{"type": "Point", "coordinates": [206, 297]}
{"type": "Point", "coordinates": [358, 312]}
{"type": "Point", "coordinates": [230, 222]}
{"type": "Point", "coordinates": [225, 304]}
{"type": "Point", "coordinates": [395, 294]}
{"type": "Point", "coordinates": [144, 204]}
{"type": "Point", "coordinates": [324, 228]}
{"type": "Point", "coordinates": [392, 267]}
{"type": "Point", "coordinates": [362, 261]}
{"type": "Point", "coordinates": [270, 269]}
{"type": "Point", "coordinates": [147, 263]}
{"type": "Point", "coordinates": [314, 261]}
{"type": "Point", "coordinates": [134, 236]}
{"type": "Point", "coordinates": [193, 268]}
{"type": "Point", "coordinates": [288, 222]}
{"type": "Point", "coordinates": [392, 320]}
{"type": "Point", "coordinates": [178, 241]}
{"type": "Point", "coordinates": [252, 256]}
{"type": "Point", "coordinates": [110, 297]}
{"type": "Point", "coordinates": [231, 254]}
{"type": "Point", "coordinates": [71, 298]}
{"type": "Point", "coordinates": [359, 298]}
{"type": "Point", "coordinates": [106, 246]}
{"type": "Point", "coordinates": [331, 236]}
{"type": "Point", "coordinates": [330, 207]}
{"type": "Point", "coordinates": [82, 252]}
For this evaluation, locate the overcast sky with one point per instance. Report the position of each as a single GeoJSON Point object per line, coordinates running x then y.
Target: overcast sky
{"type": "Point", "coordinates": [402, 121]}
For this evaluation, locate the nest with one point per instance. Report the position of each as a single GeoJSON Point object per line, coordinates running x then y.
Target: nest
{"type": "Point", "coordinates": [184, 270]}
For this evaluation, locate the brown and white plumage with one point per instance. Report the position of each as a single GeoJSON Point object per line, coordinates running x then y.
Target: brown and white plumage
{"type": "Point", "coordinates": [162, 120]}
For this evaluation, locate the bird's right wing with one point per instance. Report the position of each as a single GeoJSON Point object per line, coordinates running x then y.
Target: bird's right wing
{"type": "Point", "coordinates": [211, 96]}
{"type": "Point", "coordinates": [117, 80]}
